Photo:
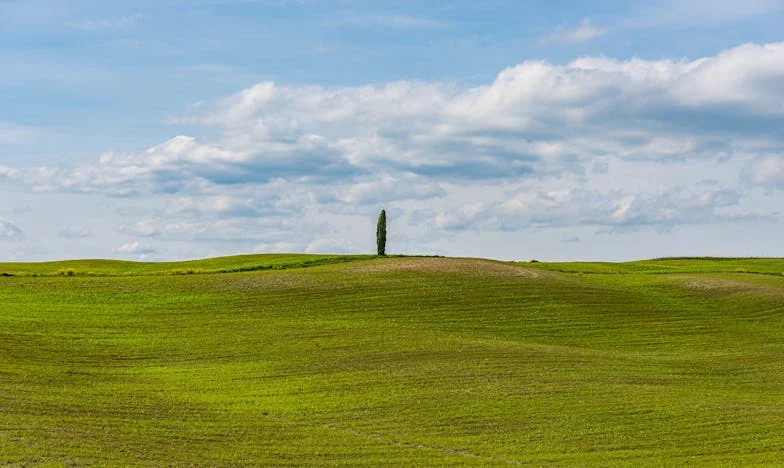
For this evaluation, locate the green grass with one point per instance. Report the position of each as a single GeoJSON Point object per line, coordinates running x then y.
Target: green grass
{"type": "Point", "coordinates": [773, 266]}
{"type": "Point", "coordinates": [236, 263]}
{"type": "Point", "coordinates": [395, 361]}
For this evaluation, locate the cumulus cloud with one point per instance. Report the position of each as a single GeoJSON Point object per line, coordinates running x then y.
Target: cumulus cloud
{"type": "Point", "coordinates": [226, 206]}
{"type": "Point", "coordinates": [615, 209]}
{"type": "Point", "coordinates": [585, 31]}
{"type": "Point", "coordinates": [277, 247]}
{"type": "Point", "coordinates": [182, 163]}
{"type": "Point", "coordinates": [766, 171]}
{"type": "Point", "coordinates": [9, 230]}
{"type": "Point", "coordinates": [136, 248]}
{"type": "Point", "coordinates": [180, 227]}
{"type": "Point", "coordinates": [535, 119]}
{"type": "Point", "coordinates": [7, 172]}
{"type": "Point", "coordinates": [459, 218]}
{"type": "Point", "coordinates": [605, 210]}
{"type": "Point", "coordinates": [329, 245]}
{"type": "Point", "coordinates": [141, 228]}
{"type": "Point", "coordinates": [389, 188]}
{"type": "Point", "coordinates": [201, 223]}
{"type": "Point", "coordinates": [539, 146]}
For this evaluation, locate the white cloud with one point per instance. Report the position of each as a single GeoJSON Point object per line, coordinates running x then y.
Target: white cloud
{"type": "Point", "coordinates": [9, 230]}
{"type": "Point", "coordinates": [183, 229]}
{"type": "Point", "coordinates": [543, 145]}
{"type": "Point", "coordinates": [277, 247]}
{"type": "Point", "coordinates": [7, 172]}
{"type": "Point", "coordinates": [767, 171]}
{"type": "Point", "coordinates": [136, 248]}
{"type": "Point", "coordinates": [173, 228]}
{"type": "Point", "coordinates": [571, 207]}
{"type": "Point", "coordinates": [462, 217]}
{"type": "Point", "coordinates": [535, 119]}
{"type": "Point", "coordinates": [748, 76]}
{"type": "Point", "coordinates": [142, 228]}
{"type": "Point", "coordinates": [329, 245]}
{"type": "Point", "coordinates": [390, 188]}
{"type": "Point", "coordinates": [604, 210]}
{"type": "Point", "coordinates": [582, 33]}
{"type": "Point", "coordinates": [217, 205]}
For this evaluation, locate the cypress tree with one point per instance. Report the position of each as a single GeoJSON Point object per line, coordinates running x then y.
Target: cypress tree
{"type": "Point", "coordinates": [381, 233]}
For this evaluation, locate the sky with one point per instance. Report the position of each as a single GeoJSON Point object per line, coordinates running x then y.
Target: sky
{"type": "Point", "coordinates": [558, 130]}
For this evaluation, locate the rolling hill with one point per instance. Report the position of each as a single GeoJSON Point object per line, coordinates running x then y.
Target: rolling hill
{"type": "Point", "coordinates": [297, 359]}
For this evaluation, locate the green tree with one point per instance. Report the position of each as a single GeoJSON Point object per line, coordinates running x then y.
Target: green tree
{"type": "Point", "coordinates": [381, 233]}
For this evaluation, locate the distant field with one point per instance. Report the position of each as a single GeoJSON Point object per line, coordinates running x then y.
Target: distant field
{"type": "Point", "coordinates": [672, 265]}
{"type": "Point", "coordinates": [401, 361]}
{"type": "Point", "coordinates": [236, 263]}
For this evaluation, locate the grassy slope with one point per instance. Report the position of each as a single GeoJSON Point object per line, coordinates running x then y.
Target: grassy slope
{"type": "Point", "coordinates": [394, 361]}
{"type": "Point", "coordinates": [234, 263]}
{"type": "Point", "coordinates": [672, 265]}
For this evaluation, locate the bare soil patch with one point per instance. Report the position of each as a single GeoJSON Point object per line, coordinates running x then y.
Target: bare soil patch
{"type": "Point", "coordinates": [469, 266]}
{"type": "Point", "coordinates": [727, 285]}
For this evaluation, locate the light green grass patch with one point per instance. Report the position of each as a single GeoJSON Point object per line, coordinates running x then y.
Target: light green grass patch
{"type": "Point", "coordinates": [236, 263]}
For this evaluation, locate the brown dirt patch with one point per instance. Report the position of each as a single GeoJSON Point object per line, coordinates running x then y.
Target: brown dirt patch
{"type": "Point", "coordinates": [728, 285]}
{"type": "Point", "coordinates": [712, 284]}
{"type": "Point", "coordinates": [469, 266]}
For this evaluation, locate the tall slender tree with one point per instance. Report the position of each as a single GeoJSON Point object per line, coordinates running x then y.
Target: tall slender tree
{"type": "Point", "coordinates": [381, 233]}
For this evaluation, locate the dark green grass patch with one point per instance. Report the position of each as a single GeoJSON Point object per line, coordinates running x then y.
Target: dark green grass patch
{"type": "Point", "coordinates": [393, 361]}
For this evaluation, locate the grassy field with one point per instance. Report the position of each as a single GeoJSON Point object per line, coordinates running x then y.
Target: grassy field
{"type": "Point", "coordinates": [403, 361]}
{"type": "Point", "coordinates": [233, 264]}
{"type": "Point", "coordinates": [765, 266]}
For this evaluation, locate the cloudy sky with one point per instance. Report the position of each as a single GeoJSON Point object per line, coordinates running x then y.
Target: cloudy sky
{"type": "Point", "coordinates": [608, 130]}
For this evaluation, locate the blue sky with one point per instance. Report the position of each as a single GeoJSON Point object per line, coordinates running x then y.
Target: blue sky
{"type": "Point", "coordinates": [553, 130]}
